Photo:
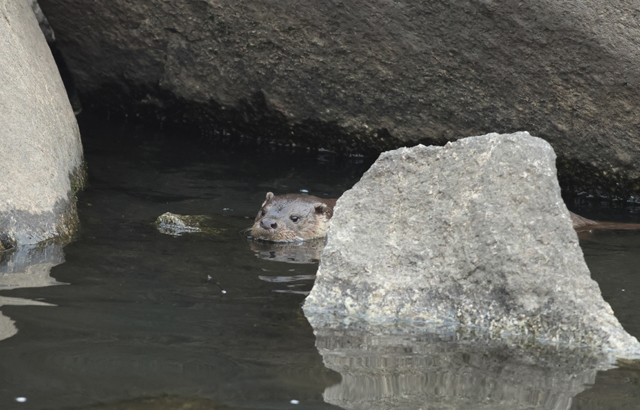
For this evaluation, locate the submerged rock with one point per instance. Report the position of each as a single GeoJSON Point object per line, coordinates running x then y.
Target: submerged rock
{"type": "Point", "coordinates": [176, 225]}
{"type": "Point", "coordinates": [473, 235]}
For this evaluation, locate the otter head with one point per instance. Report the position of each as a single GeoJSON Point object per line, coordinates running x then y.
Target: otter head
{"type": "Point", "coordinates": [292, 217]}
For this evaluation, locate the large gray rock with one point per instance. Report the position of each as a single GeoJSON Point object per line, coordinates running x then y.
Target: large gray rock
{"type": "Point", "coordinates": [359, 73]}
{"type": "Point", "coordinates": [473, 234]}
{"type": "Point", "coordinates": [40, 148]}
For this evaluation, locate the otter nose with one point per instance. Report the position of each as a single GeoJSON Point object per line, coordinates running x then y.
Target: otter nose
{"type": "Point", "coordinates": [267, 223]}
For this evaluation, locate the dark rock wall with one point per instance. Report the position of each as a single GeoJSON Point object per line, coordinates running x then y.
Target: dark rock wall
{"type": "Point", "coordinates": [374, 74]}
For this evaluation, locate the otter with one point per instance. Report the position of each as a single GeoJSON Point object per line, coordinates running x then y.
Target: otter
{"type": "Point", "coordinates": [292, 217]}
{"type": "Point", "coordinates": [582, 224]}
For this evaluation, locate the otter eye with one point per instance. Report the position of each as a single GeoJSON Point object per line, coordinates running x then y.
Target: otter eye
{"type": "Point", "coordinates": [294, 218]}
{"type": "Point", "coordinates": [263, 212]}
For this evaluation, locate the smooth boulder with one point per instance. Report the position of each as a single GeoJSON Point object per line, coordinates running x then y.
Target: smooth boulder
{"type": "Point", "coordinates": [471, 235]}
{"type": "Point", "coordinates": [40, 150]}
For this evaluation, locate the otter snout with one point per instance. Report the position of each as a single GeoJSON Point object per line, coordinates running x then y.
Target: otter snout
{"type": "Point", "coordinates": [267, 224]}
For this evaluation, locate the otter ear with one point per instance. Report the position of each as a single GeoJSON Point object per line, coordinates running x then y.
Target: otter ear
{"type": "Point", "coordinates": [269, 196]}
{"type": "Point", "coordinates": [322, 208]}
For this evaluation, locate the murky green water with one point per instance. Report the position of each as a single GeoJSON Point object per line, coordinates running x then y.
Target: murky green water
{"type": "Point", "coordinates": [136, 319]}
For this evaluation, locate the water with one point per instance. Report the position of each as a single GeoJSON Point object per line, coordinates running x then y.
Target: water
{"type": "Point", "coordinates": [131, 318]}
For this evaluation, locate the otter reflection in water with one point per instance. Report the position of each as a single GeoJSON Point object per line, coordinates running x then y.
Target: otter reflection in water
{"type": "Point", "coordinates": [296, 217]}
{"type": "Point", "coordinates": [290, 252]}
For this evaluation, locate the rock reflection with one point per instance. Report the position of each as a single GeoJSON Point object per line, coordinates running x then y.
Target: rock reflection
{"type": "Point", "coordinates": [26, 267]}
{"type": "Point", "coordinates": [405, 371]}
{"type": "Point", "coordinates": [290, 252]}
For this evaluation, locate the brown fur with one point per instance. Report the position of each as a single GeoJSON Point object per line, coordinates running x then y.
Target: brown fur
{"type": "Point", "coordinates": [581, 224]}
{"type": "Point", "coordinates": [276, 219]}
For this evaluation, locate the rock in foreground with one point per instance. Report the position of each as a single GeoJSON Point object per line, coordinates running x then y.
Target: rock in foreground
{"type": "Point", "coordinates": [473, 234]}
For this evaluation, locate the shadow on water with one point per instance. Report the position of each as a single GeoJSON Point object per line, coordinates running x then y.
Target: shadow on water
{"type": "Point", "coordinates": [213, 320]}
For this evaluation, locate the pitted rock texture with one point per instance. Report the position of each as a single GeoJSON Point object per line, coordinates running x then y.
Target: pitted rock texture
{"type": "Point", "coordinates": [375, 70]}
{"type": "Point", "coordinates": [472, 234]}
{"type": "Point", "coordinates": [40, 148]}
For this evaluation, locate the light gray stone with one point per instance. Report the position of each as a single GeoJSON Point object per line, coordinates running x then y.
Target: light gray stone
{"type": "Point", "coordinates": [473, 234]}
{"type": "Point", "coordinates": [40, 148]}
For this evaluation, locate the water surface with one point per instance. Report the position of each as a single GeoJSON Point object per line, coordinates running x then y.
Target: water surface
{"type": "Point", "coordinates": [132, 318]}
